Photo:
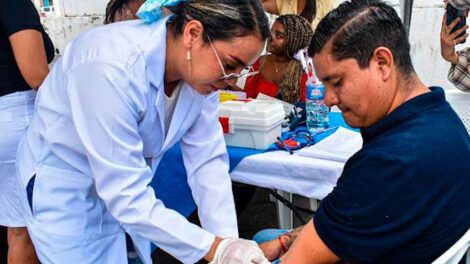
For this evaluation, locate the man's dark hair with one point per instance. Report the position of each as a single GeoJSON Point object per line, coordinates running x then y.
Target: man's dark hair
{"type": "Point", "coordinates": [357, 28]}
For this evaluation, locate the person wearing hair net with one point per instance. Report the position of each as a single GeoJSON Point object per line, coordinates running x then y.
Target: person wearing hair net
{"type": "Point", "coordinates": [117, 99]}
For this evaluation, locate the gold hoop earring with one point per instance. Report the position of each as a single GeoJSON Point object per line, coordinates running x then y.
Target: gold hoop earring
{"type": "Point", "coordinates": [188, 58]}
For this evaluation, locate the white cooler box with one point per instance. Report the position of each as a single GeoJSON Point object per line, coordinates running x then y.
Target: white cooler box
{"type": "Point", "coordinates": [251, 123]}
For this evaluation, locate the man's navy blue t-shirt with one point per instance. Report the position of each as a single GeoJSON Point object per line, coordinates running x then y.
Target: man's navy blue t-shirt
{"type": "Point", "coordinates": [404, 197]}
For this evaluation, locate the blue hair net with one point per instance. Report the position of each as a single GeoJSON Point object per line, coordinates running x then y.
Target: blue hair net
{"type": "Point", "coordinates": [151, 10]}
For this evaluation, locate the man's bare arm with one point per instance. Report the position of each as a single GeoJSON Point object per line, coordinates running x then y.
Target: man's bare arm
{"type": "Point", "coordinates": [270, 6]}
{"type": "Point", "coordinates": [309, 248]}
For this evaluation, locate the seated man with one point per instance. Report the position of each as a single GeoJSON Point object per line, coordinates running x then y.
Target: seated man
{"type": "Point", "coordinates": [402, 198]}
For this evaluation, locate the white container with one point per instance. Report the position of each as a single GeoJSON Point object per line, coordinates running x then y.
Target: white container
{"type": "Point", "coordinates": [251, 123]}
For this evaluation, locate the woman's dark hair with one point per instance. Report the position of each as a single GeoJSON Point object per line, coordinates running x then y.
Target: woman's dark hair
{"type": "Point", "coordinates": [112, 9]}
{"type": "Point", "coordinates": [310, 10]}
{"type": "Point", "coordinates": [221, 19]}
{"type": "Point", "coordinates": [357, 28]}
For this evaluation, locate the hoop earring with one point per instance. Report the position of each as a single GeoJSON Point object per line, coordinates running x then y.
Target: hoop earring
{"type": "Point", "coordinates": [188, 58]}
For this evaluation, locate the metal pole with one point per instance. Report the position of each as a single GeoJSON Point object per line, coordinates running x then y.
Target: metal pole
{"type": "Point", "coordinates": [406, 9]}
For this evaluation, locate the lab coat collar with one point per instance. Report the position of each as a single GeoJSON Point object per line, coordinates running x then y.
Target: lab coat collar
{"type": "Point", "coordinates": [155, 53]}
{"type": "Point", "coordinates": [154, 50]}
{"type": "Point", "coordinates": [155, 56]}
{"type": "Point", "coordinates": [182, 112]}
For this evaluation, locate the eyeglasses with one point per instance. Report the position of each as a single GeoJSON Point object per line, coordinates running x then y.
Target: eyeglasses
{"type": "Point", "coordinates": [245, 72]}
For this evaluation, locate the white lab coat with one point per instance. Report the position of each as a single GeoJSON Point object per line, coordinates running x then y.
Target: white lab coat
{"type": "Point", "coordinates": [95, 142]}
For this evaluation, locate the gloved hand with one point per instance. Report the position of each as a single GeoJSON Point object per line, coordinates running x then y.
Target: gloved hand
{"type": "Point", "coordinates": [238, 251]}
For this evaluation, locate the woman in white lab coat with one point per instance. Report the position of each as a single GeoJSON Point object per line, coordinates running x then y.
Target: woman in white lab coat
{"type": "Point", "coordinates": [117, 99]}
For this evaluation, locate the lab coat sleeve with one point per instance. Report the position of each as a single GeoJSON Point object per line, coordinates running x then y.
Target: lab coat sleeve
{"type": "Point", "coordinates": [105, 107]}
{"type": "Point", "coordinates": [207, 165]}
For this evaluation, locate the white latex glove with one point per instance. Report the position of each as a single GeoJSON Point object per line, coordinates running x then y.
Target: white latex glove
{"type": "Point", "coordinates": [238, 251]}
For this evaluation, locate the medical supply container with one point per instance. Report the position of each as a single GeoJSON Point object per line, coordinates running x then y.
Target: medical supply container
{"type": "Point", "coordinates": [251, 123]}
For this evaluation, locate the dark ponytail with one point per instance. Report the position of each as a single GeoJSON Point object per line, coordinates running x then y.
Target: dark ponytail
{"type": "Point", "coordinates": [112, 8]}
{"type": "Point", "coordinates": [310, 10]}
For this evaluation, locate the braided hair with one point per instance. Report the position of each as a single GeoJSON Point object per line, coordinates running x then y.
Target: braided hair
{"type": "Point", "coordinates": [298, 34]}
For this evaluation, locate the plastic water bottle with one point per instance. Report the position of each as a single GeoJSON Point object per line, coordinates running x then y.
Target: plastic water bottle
{"type": "Point", "coordinates": [317, 110]}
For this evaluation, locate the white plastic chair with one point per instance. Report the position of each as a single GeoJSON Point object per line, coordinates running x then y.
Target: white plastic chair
{"type": "Point", "coordinates": [455, 253]}
{"type": "Point", "coordinates": [460, 102]}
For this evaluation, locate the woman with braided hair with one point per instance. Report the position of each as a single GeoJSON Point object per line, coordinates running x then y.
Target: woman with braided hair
{"type": "Point", "coordinates": [280, 75]}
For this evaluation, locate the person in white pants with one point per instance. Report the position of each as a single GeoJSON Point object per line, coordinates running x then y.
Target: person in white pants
{"type": "Point", "coordinates": [25, 51]}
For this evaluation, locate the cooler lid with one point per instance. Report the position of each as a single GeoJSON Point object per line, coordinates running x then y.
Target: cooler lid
{"type": "Point", "coordinates": [252, 112]}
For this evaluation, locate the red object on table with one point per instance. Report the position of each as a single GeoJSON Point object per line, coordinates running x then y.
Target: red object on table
{"type": "Point", "coordinates": [224, 121]}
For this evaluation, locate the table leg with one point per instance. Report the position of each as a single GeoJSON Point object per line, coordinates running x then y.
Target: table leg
{"type": "Point", "coordinates": [284, 214]}
{"type": "Point", "coordinates": [313, 204]}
